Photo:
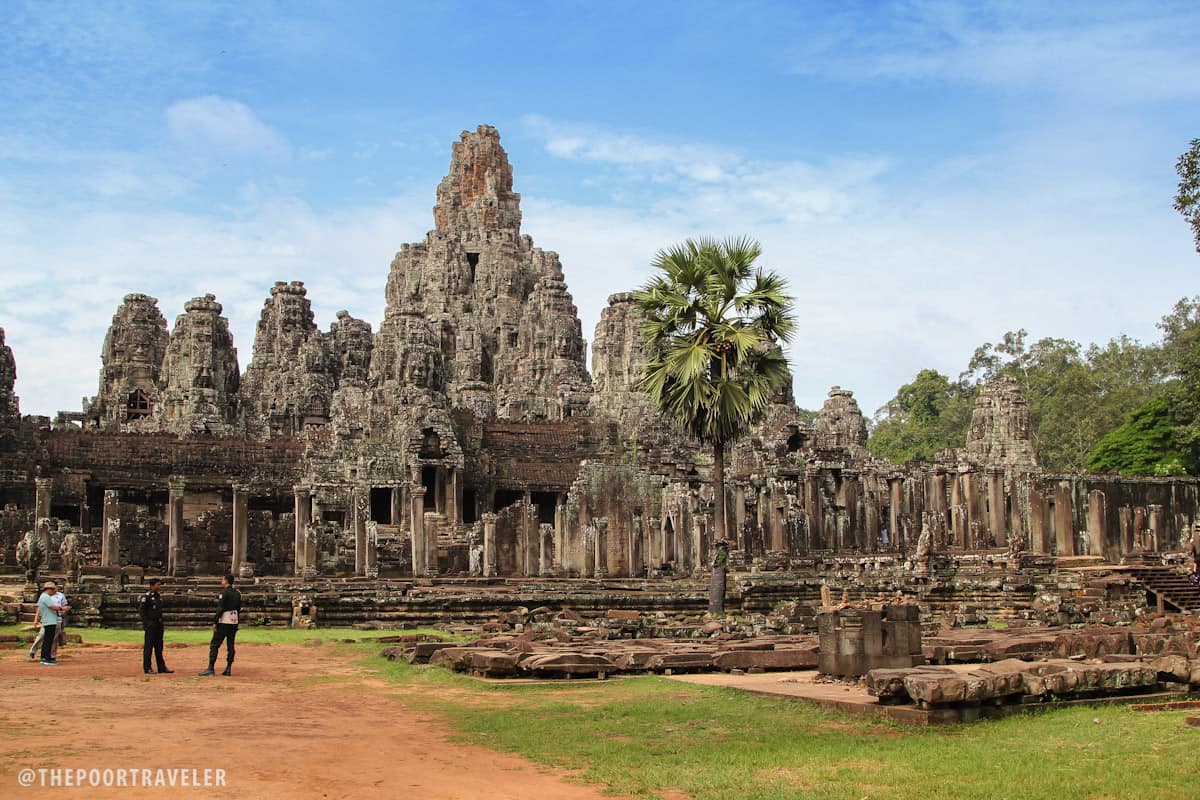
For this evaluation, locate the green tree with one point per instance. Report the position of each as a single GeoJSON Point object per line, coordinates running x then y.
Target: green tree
{"type": "Point", "coordinates": [1187, 199]}
{"type": "Point", "coordinates": [1181, 361]}
{"type": "Point", "coordinates": [1146, 444]}
{"type": "Point", "coordinates": [713, 329]}
{"type": "Point", "coordinates": [927, 415]}
{"type": "Point", "coordinates": [1075, 395]}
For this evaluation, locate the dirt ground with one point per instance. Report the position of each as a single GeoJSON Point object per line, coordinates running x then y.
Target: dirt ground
{"type": "Point", "coordinates": [294, 722]}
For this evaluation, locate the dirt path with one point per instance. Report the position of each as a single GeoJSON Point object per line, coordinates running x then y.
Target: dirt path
{"type": "Point", "coordinates": [294, 722]}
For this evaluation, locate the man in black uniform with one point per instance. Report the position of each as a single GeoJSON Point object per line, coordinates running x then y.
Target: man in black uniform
{"type": "Point", "coordinates": [225, 625]}
{"type": "Point", "coordinates": [150, 610]}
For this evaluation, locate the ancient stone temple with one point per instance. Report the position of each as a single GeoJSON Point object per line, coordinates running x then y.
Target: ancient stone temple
{"type": "Point", "coordinates": [1000, 429]}
{"type": "Point", "coordinates": [10, 407]}
{"type": "Point", "coordinates": [466, 437]}
{"type": "Point", "coordinates": [132, 357]}
{"type": "Point", "coordinates": [200, 373]}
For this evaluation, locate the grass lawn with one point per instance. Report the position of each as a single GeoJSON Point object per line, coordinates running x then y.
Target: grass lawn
{"type": "Point", "coordinates": [649, 736]}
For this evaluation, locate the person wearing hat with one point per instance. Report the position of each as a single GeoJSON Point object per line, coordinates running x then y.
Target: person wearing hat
{"type": "Point", "coordinates": [49, 610]}
{"type": "Point", "coordinates": [225, 626]}
{"type": "Point", "coordinates": [59, 633]}
{"type": "Point", "coordinates": [150, 610]}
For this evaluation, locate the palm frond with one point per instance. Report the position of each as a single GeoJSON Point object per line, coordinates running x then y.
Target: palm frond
{"type": "Point", "coordinates": [712, 323]}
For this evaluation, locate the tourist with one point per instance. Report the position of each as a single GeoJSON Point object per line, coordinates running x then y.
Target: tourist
{"type": "Point", "coordinates": [59, 599]}
{"type": "Point", "coordinates": [48, 612]}
{"type": "Point", "coordinates": [225, 625]}
{"type": "Point", "coordinates": [150, 610]}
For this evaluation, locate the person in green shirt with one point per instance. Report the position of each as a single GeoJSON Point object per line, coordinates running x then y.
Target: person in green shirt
{"type": "Point", "coordinates": [49, 611]}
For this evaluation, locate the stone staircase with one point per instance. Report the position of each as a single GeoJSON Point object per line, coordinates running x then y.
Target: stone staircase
{"type": "Point", "coordinates": [1169, 587]}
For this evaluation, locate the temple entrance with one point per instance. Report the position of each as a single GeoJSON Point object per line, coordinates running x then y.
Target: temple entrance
{"type": "Point", "coordinates": [381, 504]}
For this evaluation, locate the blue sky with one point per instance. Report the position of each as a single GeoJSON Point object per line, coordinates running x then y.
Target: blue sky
{"type": "Point", "coordinates": [927, 175]}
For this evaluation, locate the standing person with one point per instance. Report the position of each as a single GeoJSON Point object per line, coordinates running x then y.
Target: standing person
{"type": "Point", "coordinates": [225, 625]}
{"type": "Point", "coordinates": [60, 633]}
{"type": "Point", "coordinates": [59, 599]}
{"type": "Point", "coordinates": [150, 610]}
{"type": "Point", "coordinates": [48, 611]}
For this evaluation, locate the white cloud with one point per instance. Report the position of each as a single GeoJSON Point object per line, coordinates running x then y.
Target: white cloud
{"type": "Point", "coordinates": [225, 127]}
{"type": "Point", "coordinates": [65, 276]}
{"type": "Point", "coordinates": [712, 182]}
{"type": "Point", "coordinates": [1122, 53]}
{"type": "Point", "coordinates": [891, 277]}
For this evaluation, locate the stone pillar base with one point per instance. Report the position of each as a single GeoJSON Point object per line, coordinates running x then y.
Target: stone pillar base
{"type": "Point", "coordinates": [246, 570]}
{"type": "Point", "coordinates": [308, 573]}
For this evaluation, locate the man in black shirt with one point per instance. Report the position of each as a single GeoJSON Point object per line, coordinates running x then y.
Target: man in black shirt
{"type": "Point", "coordinates": [225, 625]}
{"type": "Point", "coordinates": [150, 610]}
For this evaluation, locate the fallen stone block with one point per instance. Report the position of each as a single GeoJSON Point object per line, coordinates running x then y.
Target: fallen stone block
{"type": "Point", "coordinates": [888, 684]}
{"type": "Point", "coordinates": [696, 661]}
{"type": "Point", "coordinates": [568, 665]}
{"type": "Point", "coordinates": [421, 652]}
{"type": "Point", "coordinates": [1093, 643]}
{"type": "Point", "coordinates": [779, 659]}
{"type": "Point", "coordinates": [493, 663]}
{"type": "Point", "coordinates": [453, 658]}
{"type": "Point", "coordinates": [1175, 668]}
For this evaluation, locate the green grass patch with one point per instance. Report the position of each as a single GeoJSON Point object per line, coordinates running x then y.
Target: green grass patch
{"type": "Point", "coordinates": [647, 736]}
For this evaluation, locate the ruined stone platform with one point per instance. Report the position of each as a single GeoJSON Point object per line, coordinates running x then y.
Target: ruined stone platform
{"type": "Point", "coordinates": [809, 686]}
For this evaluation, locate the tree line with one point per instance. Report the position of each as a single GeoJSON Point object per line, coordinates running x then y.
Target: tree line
{"type": "Point", "coordinates": [1123, 407]}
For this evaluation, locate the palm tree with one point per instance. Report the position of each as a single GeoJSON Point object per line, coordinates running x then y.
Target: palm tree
{"type": "Point", "coordinates": [713, 327]}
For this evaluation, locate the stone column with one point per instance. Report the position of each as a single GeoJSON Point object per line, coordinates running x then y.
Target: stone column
{"type": "Point", "coordinates": [372, 565]}
{"type": "Point", "coordinates": [110, 538]}
{"type": "Point", "coordinates": [1018, 491]}
{"type": "Point", "coordinates": [937, 492]}
{"type": "Point", "coordinates": [854, 526]}
{"type": "Point", "coordinates": [1125, 518]}
{"type": "Point", "coordinates": [453, 496]}
{"type": "Point", "coordinates": [41, 522]}
{"type": "Point", "coordinates": [529, 539]}
{"type": "Point", "coordinates": [1157, 530]}
{"type": "Point", "coordinates": [417, 526]}
{"type": "Point", "coordinates": [85, 510]}
{"type": "Point", "coordinates": [241, 499]}
{"type": "Point", "coordinates": [1096, 513]}
{"type": "Point", "coordinates": [360, 510]}
{"type": "Point", "coordinates": [397, 506]}
{"type": "Point", "coordinates": [588, 569]}
{"type": "Point", "coordinates": [1037, 520]}
{"type": "Point", "coordinates": [958, 514]}
{"type": "Point", "coordinates": [303, 515]}
{"type": "Point", "coordinates": [996, 515]}
{"type": "Point", "coordinates": [175, 493]}
{"type": "Point", "coordinates": [738, 534]}
{"type": "Point", "coordinates": [812, 503]}
{"type": "Point", "coordinates": [545, 550]}
{"type": "Point", "coordinates": [490, 567]}
{"type": "Point", "coordinates": [560, 536]}
{"type": "Point", "coordinates": [667, 551]}
{"type": "Point", "coordinates": [1064, 520]}
{"type": "Point", "coordinates": [871, 520]}
{"type": "Point", "coordinates": [686, 541]}
{"type": "Point", "coordinates": [970, 497]}
{"type": "Point", "coordinates": [637, 566]}
{"type": "Point", "coordinates": [895, 511]}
